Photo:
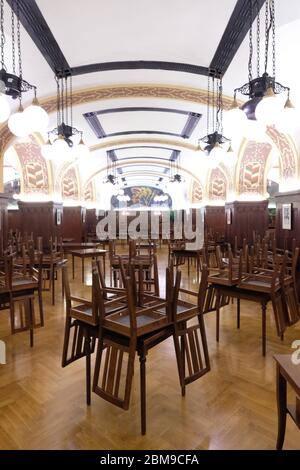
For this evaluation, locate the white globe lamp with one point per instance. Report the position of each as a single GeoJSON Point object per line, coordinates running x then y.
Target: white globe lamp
{"type": "Point", "coordinates": [18, 124]}
{"type": "Point", "coordinates": [37, 117]}
{"type": "Point", "coordinates": [268, 109]}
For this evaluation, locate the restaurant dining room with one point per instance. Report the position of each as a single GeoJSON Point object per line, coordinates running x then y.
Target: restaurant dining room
{"type": "Point", "coordinates": [149, 230]}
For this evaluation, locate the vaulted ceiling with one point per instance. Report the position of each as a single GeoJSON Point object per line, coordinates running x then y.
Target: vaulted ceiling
{"type": "Point", "coordinates": [165, 46]}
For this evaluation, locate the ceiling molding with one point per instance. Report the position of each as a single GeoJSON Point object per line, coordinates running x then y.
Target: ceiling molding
{"type": "Point", "coordinates": [123, 143]}
{"type": "Point", "coordinates": [234, 34]}
{"type": "Point", "coordinates": [89, 95]}
{"type": "Point", "coordinates": [36, 26]}
{"type": "Point", "coordinates": [140, 64]}
{"type": "Point", "coordinates": [93, 120]}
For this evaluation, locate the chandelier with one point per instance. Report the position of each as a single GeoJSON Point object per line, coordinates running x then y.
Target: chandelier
{"type": "Point", "coordinates": [175, 176]}
{"type": "Point", "coordinates": [264, 107]}
{"type": "Point", "coordinates": [216, 145]}
{"type": "Point", "coordinates": [111, 177]}
{"type": "Point", "coordinates": [34, 118]}
{"type": "Point", "coordinates": [65, 141]}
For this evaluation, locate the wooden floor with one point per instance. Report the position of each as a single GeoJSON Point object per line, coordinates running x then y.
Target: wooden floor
{"type": "Point", "coordinates": [42, 406]}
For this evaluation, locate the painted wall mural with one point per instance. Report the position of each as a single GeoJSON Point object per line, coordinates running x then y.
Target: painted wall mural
{"type": "Point", "coordinates": [252, 168]}
{"type": "Point", "coordinates": [218, 185]}
{"type": "Point", "coordinates": [197, 192]}
{"type": "Point", "coordinates": [288, 153]}
{"type": "Point", "coordinates": [88, 192]}
{"type": "Point", "coordinates": [142, 196]}
{"type": "Point", "coordinates": [35, 175]}
{"type": "Point", "coordinates": [70, 185]}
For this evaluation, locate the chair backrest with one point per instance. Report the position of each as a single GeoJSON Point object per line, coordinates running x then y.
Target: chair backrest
{"type": "Point", "coordinates": [202, 289]}
{"type": "Point", "coordinates": [66, 286]}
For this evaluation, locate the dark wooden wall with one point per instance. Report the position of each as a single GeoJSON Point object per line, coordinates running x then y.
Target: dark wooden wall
{"type": "Point", "coordinates": [14, 220]}
{"type": "Point", "coordinates": [3, 222]}
{"type": "Point", "coordinates": [40, 218]}
{"type": "Point", "coordinates": [246, 217]}
{"type": "Point", "coordinates": [90, 222]}
{"type": "Point", "coordinates": [74, 223]}
{"type": "Point", "coordinates": [284, 237]}
{"type": "Point", "coordinates": [214, 221]}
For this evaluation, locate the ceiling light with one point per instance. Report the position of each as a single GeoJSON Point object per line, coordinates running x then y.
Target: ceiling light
{"type": "Point", "coordinates": [34, 118]}
{"type": "Point", "coordinates": [264, 105]}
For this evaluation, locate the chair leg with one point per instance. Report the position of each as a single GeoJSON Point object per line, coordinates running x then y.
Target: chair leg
{"type": "Point", "coordinates": [143, 392]}
{"type": "Point", "coordinates": [87, 346]}
{"type": "Point", "coordinates": [12, 315]}
{"type": "Point", "coordinates": [40, 297]}
{"type": "Point", "coordinates": [31, 319]}
{"type": "Point", "coordinates": [53, 285]}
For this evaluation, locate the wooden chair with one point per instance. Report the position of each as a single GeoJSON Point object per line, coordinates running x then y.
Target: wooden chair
{"type": "Point", "coordinates": [19, 287]}
{"type": "Point", "coordinates": [81, 325]}
{"type": "Point", "coordinates": [226, 274]}
{"type": "Point", "coordinates": [123, 333]}
{"type": "Point", "coordinates": [190, 339]}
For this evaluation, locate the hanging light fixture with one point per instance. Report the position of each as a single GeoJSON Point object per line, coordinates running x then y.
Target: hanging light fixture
{"type": "Point", "coordinates": [175, 176]}
{"type": "Point", "coordinates": [264, 106]}
{"type": "Point", "coordinates": [111, 176]}
{"type": "Point", "coordinates": [34, 118]}
{"type": "Point", "coordinates": [217, 146]}
{"type": "Point", "coordinates": [60, 143]}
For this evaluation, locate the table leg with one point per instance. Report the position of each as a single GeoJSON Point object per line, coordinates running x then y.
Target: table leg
{"type": "Point", "coordinates": [217, 316]}
{"type": "Point", "coordinates": [82, 269]}
{"type": "Point", "coordinates": [104, 272]}
{"type": "Point", "coordinates": [264, 327]}
{"type": "Point", "coordinates": [143, 392]}
{"type": "Point", "coordinates": [238, 313]}
{"type": "Point", "coordinates": [281, 407]}
{"type": "Point", "coordinates": [73, 267]}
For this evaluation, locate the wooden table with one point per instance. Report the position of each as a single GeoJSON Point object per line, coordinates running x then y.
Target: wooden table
{"type": "Point", "coordinates": [87, 253]}
{"type": "Point", "coordinates": [68, 247]}
{"type": "Point", "coordinates": [242, 294]}
{"type": "Point", "coordinates": [187, 253]}
{"type": "Point", "coordinates": [286, 371]}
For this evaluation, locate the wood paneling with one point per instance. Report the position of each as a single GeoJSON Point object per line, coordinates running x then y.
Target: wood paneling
{"type": "Point", "coordinates": [214, 220]}
{"type": "Point", "coordinates": [246, 216]}
{"type": "Point", "coordinates": [14, 220]}
{"type": "Point", "coordinates": [284, 237]}
{"type": "Point", "coordinates": [74, 223]}
{"type": "Point", "coordinates": [3, 222]}
{"type": "Point", "coordinates": [40, 218]}
{"type": "Point", "coordinates": [90, 221]}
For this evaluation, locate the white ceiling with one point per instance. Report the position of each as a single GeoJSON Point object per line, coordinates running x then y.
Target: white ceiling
{"type": "Point", "coordinates": [93, 31]}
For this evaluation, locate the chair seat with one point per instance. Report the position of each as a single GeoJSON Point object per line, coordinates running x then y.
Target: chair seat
{"type": "Point", "coordinates": [151, 321]}
{"type": "Point", "coordinates": [223, 278]}
{"type": "Point", "coordinates": [261, 285]}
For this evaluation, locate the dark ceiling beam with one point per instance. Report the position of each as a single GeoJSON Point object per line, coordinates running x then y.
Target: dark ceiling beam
{"type": "Point", "coordinates": [36, 26]}
{"type": "Point", "coordinates": [140, 64]}
{"type": "Point", "coordinates": [234, 34]}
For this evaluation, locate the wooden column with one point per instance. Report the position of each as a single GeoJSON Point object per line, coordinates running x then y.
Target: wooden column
{"type": "Point", "coordinates": [41, 219]}
{"type": "Point", "coordinates": [74, 223]}
{"type": "Point", "coordinates": [244, 218]}
{"type": "Point", "coordinates": [3, 222]}
{"type": "Point", "coordinates": [214, 221]}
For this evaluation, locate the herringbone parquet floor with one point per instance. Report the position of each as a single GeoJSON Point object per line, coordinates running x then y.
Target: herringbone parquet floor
{"type": "Point", "coordinates": [42, 406]}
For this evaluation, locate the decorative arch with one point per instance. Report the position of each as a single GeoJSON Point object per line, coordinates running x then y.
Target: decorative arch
{"type": "Point", "coordinates": [69, 187]}
{"type": "Point", "coordinates": [217, 185]}
{"type": "Point", "coordinates": [36, 175]}
{"type": "Point", "coordinates": [196, 192]}
{"type": "Point", "coordinates": [289, 160]}
{"type": "Point", "coordinates": [251, 171]}
{"type": "Point", "coordinates": [89, 192]}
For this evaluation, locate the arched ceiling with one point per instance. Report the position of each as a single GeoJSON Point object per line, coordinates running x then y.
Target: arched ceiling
{"type": "Point", "coordinates": [159, 43]}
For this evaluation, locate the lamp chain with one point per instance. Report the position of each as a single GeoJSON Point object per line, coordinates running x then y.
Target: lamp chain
{"type": "Point", "coordinates": [13, 37]}
{"type": "Point", "coordinates": [2, 33]}
{"type": "Point", "coordinates": [273, 37]}
{"type": "Point", "coordinates": [208, 106]}
{"type": "Point", "coordinates": [258, 40]}
{"type": "Point", "coordinates": [19, 42]}
{"type": "Point", "coordinates": [250, 43]}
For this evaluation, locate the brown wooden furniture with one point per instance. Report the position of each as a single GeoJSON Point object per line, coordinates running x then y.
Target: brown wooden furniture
{"type": "Point", "coordinates": [286, 372]}
{"type": "Point", "coordinates": [3, 222]}
{"type": "Point", "coordinates": [246, 216]}
{"type": "Point", "coordinates": [81, 326]}
{"type": "Point", "coordinates": [92, 253]}
{"type": "Point", "coordinates": [40, 218]}
{"type": "Point", "coordinates": [73, 225]}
